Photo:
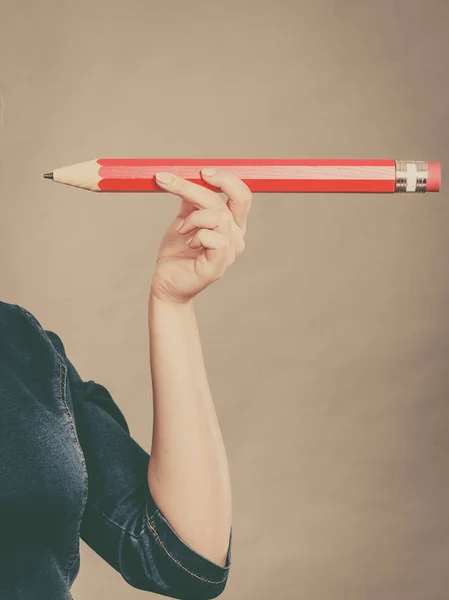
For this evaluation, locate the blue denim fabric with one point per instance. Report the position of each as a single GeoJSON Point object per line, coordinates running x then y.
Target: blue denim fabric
{"type": "Point", "coordinates": [69, 468]}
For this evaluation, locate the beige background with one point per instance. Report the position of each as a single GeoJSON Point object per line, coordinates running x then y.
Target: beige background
{"type": "Point", "coordinates": [327, 343]}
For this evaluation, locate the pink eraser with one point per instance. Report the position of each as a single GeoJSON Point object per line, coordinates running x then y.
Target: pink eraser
{"type": "Point", "coordinates": [433, 177]}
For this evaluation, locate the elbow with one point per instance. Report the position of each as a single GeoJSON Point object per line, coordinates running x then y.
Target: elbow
{"type": "Point", "coordinates": [159, 561]}
{"type": "Point", "coordinates": [173, 581]}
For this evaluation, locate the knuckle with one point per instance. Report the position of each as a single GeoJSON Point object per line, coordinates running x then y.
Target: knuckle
{"type": "Point", "coordinates": [240, 246]}
{"type": "Point", "coordinates": [230, 257]}
{"type": "Point", "coordinates": [244, 192]}
{"type": "Point", "coordinates": [247, 194]}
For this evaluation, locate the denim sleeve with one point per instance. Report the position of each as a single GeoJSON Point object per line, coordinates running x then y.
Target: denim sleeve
{"type": "Point", "coordinates": [121, 521]}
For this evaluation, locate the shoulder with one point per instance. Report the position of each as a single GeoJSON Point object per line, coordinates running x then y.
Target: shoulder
{"type": "Point", "coordinates": [50, 337]}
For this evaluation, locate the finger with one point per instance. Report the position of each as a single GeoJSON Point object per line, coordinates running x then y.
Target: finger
{"type": "Point", "coordinates": [207, 218]}
{"type": "Point", "coordinates": [218, 252]}
{"type": "Point", "coordinates": [239, 194]}
{"type": "Point", "coordinates": [197, 195]}
{"type": "Point", "coordinates": [209, 239]}
{"type": "Point", "coordinates": [217, 255]}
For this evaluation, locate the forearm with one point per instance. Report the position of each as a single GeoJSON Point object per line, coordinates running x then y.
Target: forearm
{"type": "Point", "coordinates": [188, 472]}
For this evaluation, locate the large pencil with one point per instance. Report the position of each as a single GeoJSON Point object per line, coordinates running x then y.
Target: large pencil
{"type": "Point", "coordinates": [260, 174]}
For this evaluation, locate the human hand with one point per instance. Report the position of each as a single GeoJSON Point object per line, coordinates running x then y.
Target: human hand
{"type": "Point", "coordinates": [216, 230]}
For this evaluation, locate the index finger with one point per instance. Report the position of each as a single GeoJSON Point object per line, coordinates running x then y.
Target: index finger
{"type": "Point", "coordinates": [197, 195]}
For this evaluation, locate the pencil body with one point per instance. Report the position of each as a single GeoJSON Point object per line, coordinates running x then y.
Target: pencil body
{"type": "Point", "coordinates": [261, 175]}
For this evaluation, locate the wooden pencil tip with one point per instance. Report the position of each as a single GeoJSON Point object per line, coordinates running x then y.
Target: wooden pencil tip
{"type": "Point", "coordinates": [48, 175]}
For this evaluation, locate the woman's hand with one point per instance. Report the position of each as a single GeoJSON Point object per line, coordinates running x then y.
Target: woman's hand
{"type": "Point", "coordinates": [205, 237]}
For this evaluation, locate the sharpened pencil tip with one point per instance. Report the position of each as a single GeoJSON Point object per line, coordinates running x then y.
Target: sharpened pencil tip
{"type": "Point", "coordinates": [48, 175]}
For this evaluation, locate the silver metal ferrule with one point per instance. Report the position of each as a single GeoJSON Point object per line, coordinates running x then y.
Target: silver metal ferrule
{"type": "Point", "coordinates": [411, 176]}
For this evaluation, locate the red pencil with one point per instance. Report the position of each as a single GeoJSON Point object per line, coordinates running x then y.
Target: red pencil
{"type": "Point", "coordinates": [260, 174]}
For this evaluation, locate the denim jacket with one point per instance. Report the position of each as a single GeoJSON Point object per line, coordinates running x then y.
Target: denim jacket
{"type": "Point", "coordinates": [70, 469]}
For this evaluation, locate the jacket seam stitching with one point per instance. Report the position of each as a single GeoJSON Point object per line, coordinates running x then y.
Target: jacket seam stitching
{"type": "Point", "coordinates": [62, 389]}
{"type": "Point", "coordinates": [150, 525]}
{"type": "Point", "coordinates": [40, 329]}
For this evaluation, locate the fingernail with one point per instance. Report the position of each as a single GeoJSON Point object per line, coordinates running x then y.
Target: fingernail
{"type": "Point", "coordinates": [189, 240]}
{"type": "Point", "coordinates": [164, 177]}
{"type": "Point", "coordinates": [180, 224]}
{"type": "Point", "coordinates": [209, 171]}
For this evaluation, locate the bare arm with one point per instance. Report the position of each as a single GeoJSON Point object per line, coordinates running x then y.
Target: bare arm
{"type": "Point", "coordinates": [188, 471]}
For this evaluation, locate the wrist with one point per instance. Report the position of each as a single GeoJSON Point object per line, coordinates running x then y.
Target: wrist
{"type": "Point", "coordinates": [161, 300]}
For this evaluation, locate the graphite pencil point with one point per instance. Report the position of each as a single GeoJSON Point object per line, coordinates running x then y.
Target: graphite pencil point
{"type": "Point", "coordinates": [48, 175]}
